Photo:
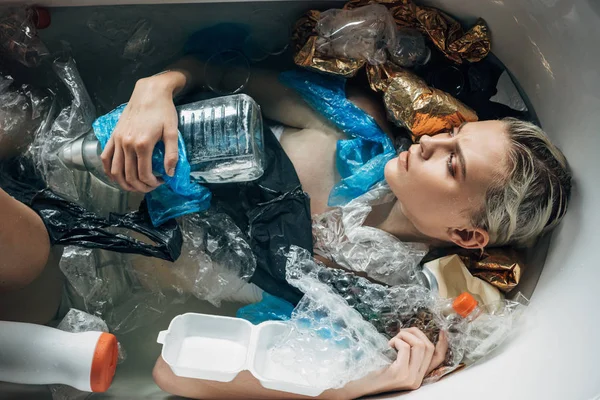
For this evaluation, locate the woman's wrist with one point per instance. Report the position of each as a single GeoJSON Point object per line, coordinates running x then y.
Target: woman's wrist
{"type": "Point", "coordinates": [170, 81]}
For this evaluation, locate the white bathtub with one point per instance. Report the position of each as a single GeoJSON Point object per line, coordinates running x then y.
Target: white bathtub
{"type": "Point", "coordinates": [551, 47]}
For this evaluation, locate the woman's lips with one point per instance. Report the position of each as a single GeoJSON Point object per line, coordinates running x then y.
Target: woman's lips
{"type": "Point", "coordinates": [403, 158]}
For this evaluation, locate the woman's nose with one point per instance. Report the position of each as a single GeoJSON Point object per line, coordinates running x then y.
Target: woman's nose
{"type": "Point", "coordinates": [430, 144]}
{"type": "Point", "coordinates": [426, 143]}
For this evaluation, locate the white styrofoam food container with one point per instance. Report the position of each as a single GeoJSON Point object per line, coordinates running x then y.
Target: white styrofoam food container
{"type": "Point", "coordinates": [217, 348]}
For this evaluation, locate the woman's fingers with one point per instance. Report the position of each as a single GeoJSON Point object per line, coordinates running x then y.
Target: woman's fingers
{"type": "Point", "coordinates": [429, 349]}
{"type": "Point", "coordinates": [107, 158]}
{"type": "Point", "coordinates": [439, 355]}
{"type": "Point", "coordinates": [417, 348]}
{"type": "Point", "coordinates": [131, 173]}
{"type": "Point", "coordinates": [170, 137]}
{"type": "Point", "coordinates": [118, 169]}
{"type": "Point", "coordinates": [144, 166]}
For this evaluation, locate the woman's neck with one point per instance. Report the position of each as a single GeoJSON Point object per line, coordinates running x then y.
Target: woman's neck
{"type": "Point", "coordinates": [390, 218]}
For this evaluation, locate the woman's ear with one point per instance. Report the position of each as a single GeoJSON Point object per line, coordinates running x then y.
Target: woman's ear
{"type": "Point", "coordinates": [470, 238]}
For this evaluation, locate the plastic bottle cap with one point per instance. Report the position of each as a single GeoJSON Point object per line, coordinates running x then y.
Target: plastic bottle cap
{"type": "Point", "coordinates": [464, 304]}
{"type": "Point", "coordinates": [104, 363]}
{"type": "Point", "coordinates": [41, 18]}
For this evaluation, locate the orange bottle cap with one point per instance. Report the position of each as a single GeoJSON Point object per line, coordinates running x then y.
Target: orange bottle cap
{"type": "Point", "coordinates": [104, 363]}
{"type": "Point", "coordinates": [464, 304]}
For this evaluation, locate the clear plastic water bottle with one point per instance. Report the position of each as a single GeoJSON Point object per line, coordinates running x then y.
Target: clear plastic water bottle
{"type": "Point", "coordinates": [223, 139]}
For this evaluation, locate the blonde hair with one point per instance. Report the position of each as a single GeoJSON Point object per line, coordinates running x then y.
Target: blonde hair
{"type": "Point", "coordinates": [532, 197]}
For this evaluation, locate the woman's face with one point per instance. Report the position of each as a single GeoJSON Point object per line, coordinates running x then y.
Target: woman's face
{"type": "Point", "coordinates": [443, 179]}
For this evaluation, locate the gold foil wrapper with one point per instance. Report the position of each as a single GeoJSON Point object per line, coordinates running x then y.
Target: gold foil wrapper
{"type": "Point", "coordinates": [501, 267]}
{"type": "Point", "coordinates": [305, 42]}
{"type": "Point", "coordinates": [410, 102]}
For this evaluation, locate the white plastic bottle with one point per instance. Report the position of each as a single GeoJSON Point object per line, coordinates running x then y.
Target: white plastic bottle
{"type": "Point", "coordinates": [37, 354]}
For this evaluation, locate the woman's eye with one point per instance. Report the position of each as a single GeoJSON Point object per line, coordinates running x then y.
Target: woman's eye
{"type": "Point", "coordinates": [451, 165]}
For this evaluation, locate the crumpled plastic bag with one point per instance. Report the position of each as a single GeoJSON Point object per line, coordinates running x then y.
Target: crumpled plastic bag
{"type": "Point", "coordinates": [362, 157]}
{"type": "Point", "coordinates": [68, 223]}
{"type": "Point", "coordinates": [217, 259]}
{"type": "Point", "coordinates": [24, 112]}
{"type": "Point", "coordinates": [362, 34]}
{"type": "Point", "coordinates": [339, 236]}
{"type": "Point", "coordinates": [72, 122]}
{"type": "Point", "coordinates": [330, 344]}
{"type": "Point", "coordinates": [106, 285]}
{"type": "Point", "coordinates": [180, 195]}
{"type": "Point", "coordinates": [18, 36]}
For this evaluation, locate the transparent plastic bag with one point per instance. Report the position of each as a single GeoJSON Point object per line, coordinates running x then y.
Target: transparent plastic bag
{"type": "Point", "coordinates": [18, 36]}
{"type": "Point", "coordinates": [363, 33]}
{"type": "Point", "coordinates": [24, 112]}
{"type": "Point", "coordinates": [217, 260]}
{"type": "Point", "coordinates": [340, 236]}
{"type": "Point", "coordinates": [72, 122]}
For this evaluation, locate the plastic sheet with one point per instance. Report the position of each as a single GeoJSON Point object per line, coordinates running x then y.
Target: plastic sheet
{"type": "Point", "coordinates": [270, 308]}
{"type": "Point", "coordinates": [217, 259]}
{"type": "Point", "coordinates": [24, 112]}
{"type": "Point", "coordinates": [364, 33]}
{"type": "Point", "coordinates": [18, 36]}
{"type": "Point", "coordinates": [331, 344]}
{"type": "Point", "coordinates": [72, 122]}
{"type": "Point", "coordinates": [360, 159]}
{"type": "Point", "coordinates": [179, 195]}
{"type": "Point", "coordinates": [68, 223]}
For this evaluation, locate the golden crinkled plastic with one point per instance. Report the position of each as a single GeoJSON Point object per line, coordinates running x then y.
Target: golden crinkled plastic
{"type": "Point", "coordinates": [305, 40]}
{"type": "Point", "coordinates": [500, 267]}
{"type": "Point", "coordinates": [410, 102]}
{"type": "Point", "coordinates": [474, 45]}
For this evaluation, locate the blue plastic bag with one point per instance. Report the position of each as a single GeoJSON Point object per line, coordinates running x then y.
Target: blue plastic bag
{"type": "Point", "coordinates": [270, 308]}
{"type": "Point", "coordinates": [360, 159]}
{"type": "Point", "coordinates": [179, 195]}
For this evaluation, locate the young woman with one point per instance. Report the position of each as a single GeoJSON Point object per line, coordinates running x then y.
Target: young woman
{"type": "Point", "coordinates": [483, 183]}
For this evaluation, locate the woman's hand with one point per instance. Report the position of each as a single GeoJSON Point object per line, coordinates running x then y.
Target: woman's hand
{"type": "Point", "coordinates": [149, 117]}
{"type": "Point", "coordinates": [417, 357]}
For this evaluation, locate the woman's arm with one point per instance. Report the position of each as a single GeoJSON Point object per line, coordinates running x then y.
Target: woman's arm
{"type": "Point", "coordinates": [417, 357]}
{"type": "Point", "coordinates": [24, 244]}
{"type": "Point", "coordinates": [150, 117]}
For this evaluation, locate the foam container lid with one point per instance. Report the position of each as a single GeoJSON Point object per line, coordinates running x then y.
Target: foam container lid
{"type": "Point", "coordinates": [217, 348]}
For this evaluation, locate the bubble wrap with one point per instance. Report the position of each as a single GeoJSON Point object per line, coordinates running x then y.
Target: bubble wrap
{"type": "Point", "coordinates": [332, 343]}
{"type": "Point", "coordinates": [216, 258]}
{"type": "Point", "coordinates": [339, 235]}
